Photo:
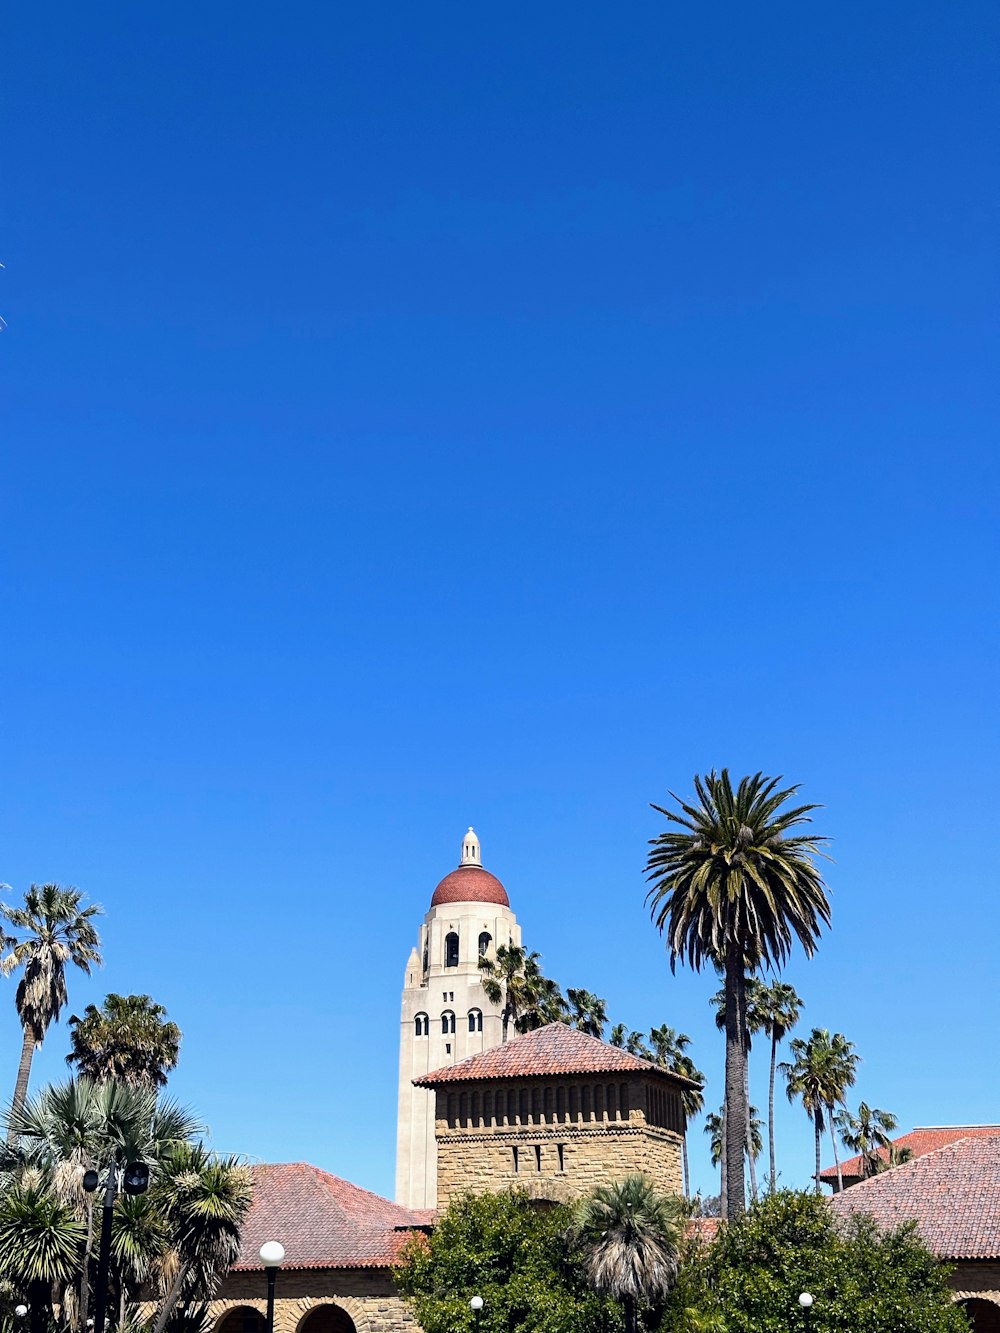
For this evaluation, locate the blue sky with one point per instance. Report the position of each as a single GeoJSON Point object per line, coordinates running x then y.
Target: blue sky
{"type": "Point", "coordinates": [424, 416]}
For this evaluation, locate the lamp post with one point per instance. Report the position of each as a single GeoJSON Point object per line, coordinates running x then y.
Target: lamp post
{"type": "Point", "coordinates": [272, 1254]}
{"type": "Point", "coordinates": [476, 1306]}
{"type": "Point", "coordinates": [805, 1302]}
{"type": "Point", "coordinates": [134, 1180]}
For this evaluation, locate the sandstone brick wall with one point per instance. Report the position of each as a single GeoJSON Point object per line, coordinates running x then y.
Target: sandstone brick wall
{"type": "Point", "coordinates": [976, 1279]}
{"type": "Point", "coordinates": [368, 1296]}
{"type": "Point", "coordinates": [558, 1163]}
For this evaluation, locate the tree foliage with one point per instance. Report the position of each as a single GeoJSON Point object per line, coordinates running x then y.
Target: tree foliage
{"type": "Point", "coordinates": [129, 1038]}
{"type": "Point", "coordinates": [515, 1255]}
{"type": "Point", "coordinates": [862, 1280]}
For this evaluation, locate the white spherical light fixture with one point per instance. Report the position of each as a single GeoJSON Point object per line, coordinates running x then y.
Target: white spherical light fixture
{"type": "Point", "coordinates": [806, 1299]}
{"type": "Point", "coordinates": [272, 1253]}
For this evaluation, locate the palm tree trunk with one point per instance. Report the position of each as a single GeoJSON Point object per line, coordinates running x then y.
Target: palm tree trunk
{"type": "Point", "coordinates": [171, 1299]}
{"type": "Point", "coordinates": [505, 1018]}
{"type": "Point", "coordinates": [85, 1268]}
{"type": "Point", "coordinates": [836, 1155]}
{"type": "Point", "coordinates": [23, 1074]}
{"type": "Point", "coordinates": [750, 1158]}
{"type": "Point", "coordinates": [818, 1121]}
{"type": "Point", "coordinates": [736, 1055]}
{"type": "Point", "coordinates": [724, 1174]}
{"type": "Point", "coordinates": [631, 1323]}
{"type": "Point", "coordinates": [770, 1112]}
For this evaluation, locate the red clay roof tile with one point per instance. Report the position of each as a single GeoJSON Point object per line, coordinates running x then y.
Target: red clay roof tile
{"type": "Point", "coordinates": [547, 1052]}
{"type": "Point", "coordinates": [918, 1141]}
{"type": "Point", "coordinates": [952, 1193]}
{"type": "Point", "coordinates": [322, 1221]}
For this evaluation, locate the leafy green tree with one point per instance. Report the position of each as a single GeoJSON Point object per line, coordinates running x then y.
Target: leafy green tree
{"type": "Point", "coordinates": [778, 1007]}
{"type": "Point", "coordinates": [129, 1039]}
{"type": "Point", "coordinates": [588, 1012]}
{"type": "Point", "coordinates": [513, 1254]}
{"type": "Point", "coordinates": [862, 1280]}
{"type": "Point", "coordinates": [867, 1134]}
{"type": "Point", "coordinates": [819, 1074]}
{"type": "Point", "coordinates": [734, 888]}
{"type": "Point", "coordinates": [59, 931]}
{"type": "Point", "coordinates": [629, 1235]}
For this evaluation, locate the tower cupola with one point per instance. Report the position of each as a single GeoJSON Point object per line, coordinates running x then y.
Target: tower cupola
{"type": "Point", "coordinates": [470, 849]}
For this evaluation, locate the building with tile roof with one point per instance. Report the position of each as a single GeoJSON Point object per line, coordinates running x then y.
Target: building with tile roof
{"type": "Point", "coordinates": [907, 1147]}
{"type": "Point", "coordinates": [445, 1013]}
{"type": "Point", "coordinates": [555, 1112]}
{"type": "Point", "coordinates": [952, 1193]}
{"type": "Point", "coordinates": [340, 1242]}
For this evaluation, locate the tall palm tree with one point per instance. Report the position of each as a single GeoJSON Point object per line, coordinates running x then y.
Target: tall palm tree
{"type": "Point", "coordinates": [509, 980]}
{"type": "Point", "coordinates": [629, 1236]}
{"type": "Point", "coordinates": [40, 1239]}
{"type": "Point", "coordinates": [589, 1013]}
{"type": "Point", "coordinates": [627, 1039]}
{"type": "Point", "coordinates": [715, 1129]}
{"type": "Point", "coordinates": [128, 1039]}
{"type": "Point", "coordinates": [779, 1008]}
{"type": "Point", "coordinates": [754, 1023]}
{"type": "Point", "coordinates": [735, 888]}
{"type": "Point", "coordinates": [821, 1071]}
{"type": "Point", "coordinates": [58, 931]}
{"type": "Point", "coordinates": [867, 1134]}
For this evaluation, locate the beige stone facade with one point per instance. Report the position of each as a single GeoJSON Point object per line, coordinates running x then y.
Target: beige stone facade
{"type": "Point", "coordinates": [314, 1301]}
{"type": "Point", "coordinates": [557, 1137]}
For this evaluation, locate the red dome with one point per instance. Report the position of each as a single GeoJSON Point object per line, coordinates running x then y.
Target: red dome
{"type": "Point", "coordinates": [470, 884]}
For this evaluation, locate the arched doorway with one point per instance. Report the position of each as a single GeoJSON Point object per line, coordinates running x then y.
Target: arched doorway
{"type": "Point", "coordinates": [984, 1316]}
{"type": "Point", "coordinates": [241, 1319]}
{"type": "Point", "coordinates": [327, 1319]}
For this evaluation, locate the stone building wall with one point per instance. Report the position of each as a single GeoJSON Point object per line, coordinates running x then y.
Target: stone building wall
{"type": "Point", "coordinates": [368, 1296]}
{"type": "Point", "coordinates": [557, 1138]}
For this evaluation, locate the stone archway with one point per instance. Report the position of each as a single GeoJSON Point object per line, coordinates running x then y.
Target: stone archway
{"type": "Point", "coordinates": [984, 1315]}
{"type": "Point", "coordinates": [327, 1318]}
{"type": "Point", "coordinates": [240, 1319]}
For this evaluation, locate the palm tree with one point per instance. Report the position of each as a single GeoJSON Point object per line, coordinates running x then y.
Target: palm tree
{"type": "Point", "coordinates": [128, 1039]}
{"type": "Point", "coordinates": [543, 1002]}
{"type": "Point", "coordinates": [205, 1200]}
{"type": "Point", "coordinates": [867, 1134]}
{"type": "Point", "coordinates": [735, 888]}
{"type": "Point", "coordinates": [754, 1023]}
{"type": "Point", "coordinates": [779, 1008]}
{"type": "Point", "coordinates": [40, 1240]}
{"type": "Point", "coordinates": [627, 1039]}
{"type": "Point", "coordinates": [693, 1102]}
{"type": "Point", "coordinates": [589, 1012]}
{"type": "Point", "coordinates": [80, 1125]}
{"type": "Point", "coordinates": [715, 1129]}
{"type": "Point", "coordinates": [629, 1236]}
{"type": "Point", "coordinates": [821, 1071]}
{"type": "Point", "coordinates": [508, 980]}
{"type": "Point", "coordinates": [59, 931]}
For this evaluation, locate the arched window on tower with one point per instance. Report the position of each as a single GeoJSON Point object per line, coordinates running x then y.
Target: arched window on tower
{"type": "Point", "coordinates": [475, 1020]}
{"type": "Point", "coordinates": [451, 949]}
{"type": "Point", "coordinates": [485, 940]}
{"type": "Point", "coordinates": [421, 1025]}
{"type": "Point", "coordinates": [447, 1023]}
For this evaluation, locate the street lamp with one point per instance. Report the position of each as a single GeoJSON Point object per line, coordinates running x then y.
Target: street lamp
{"type": "Point", "coordinates": [20, 1311]}
{"type": "Point", "coordinates": [476, 1306]}
{"type": "Point", "coordinates": [805, 1302]}
{"type": "Point", "coordinates": [134, 1180]}
{"type": "Point", "coordinates": [272, 1254]}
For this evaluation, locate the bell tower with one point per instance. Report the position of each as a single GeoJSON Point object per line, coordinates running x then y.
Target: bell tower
{"type": "Point", "coordinates": [445, 1013]}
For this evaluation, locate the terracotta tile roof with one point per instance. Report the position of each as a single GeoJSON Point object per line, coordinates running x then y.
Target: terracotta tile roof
{"type": "Point", "coordinates": [470, 884]}
{"type": "Point", "coordinates": [703, 1228]}
{"type": "Point", "coordinates": [952, 1193]}
{"type": "Point", "coordinates": [919, 1142]}
{"type": "Point", "coordinates": [547, 1052]}
{"type": "Point", "coordinates": [322, 1221]}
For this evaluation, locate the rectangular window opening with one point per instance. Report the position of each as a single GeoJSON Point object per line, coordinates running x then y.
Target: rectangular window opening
{"type": "Point", "coordinates": [538, 1157]}
{"type": "Point", "coordinates": [514, 1163]}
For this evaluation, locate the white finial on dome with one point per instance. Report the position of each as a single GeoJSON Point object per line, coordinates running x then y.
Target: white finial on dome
{"type": "Point", "coordinates": [470, 849]}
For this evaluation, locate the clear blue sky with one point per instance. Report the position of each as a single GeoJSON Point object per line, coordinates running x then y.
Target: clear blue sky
{"type": "Point", "coordinates": [416, 416]}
